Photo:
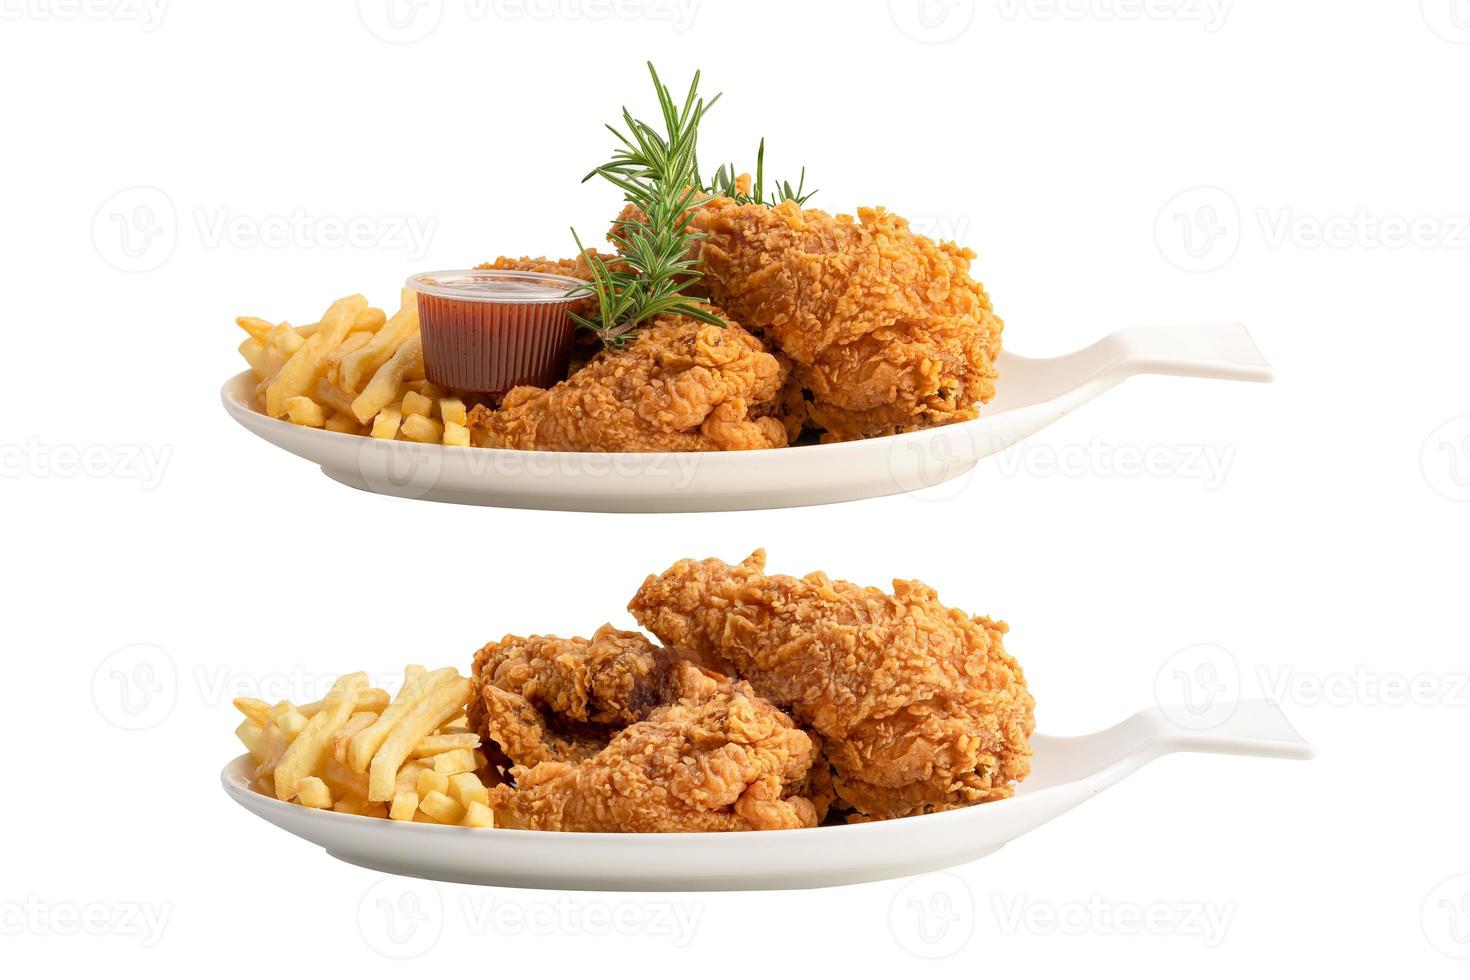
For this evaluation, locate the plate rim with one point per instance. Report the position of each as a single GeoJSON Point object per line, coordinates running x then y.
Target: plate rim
{"type": "Point", "coordinates": [238, 410]}
{"type": "Point", "coordinates": [238, 789]}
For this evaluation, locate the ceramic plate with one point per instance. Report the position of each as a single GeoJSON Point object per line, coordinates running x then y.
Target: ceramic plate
{"type": "Point", "coordinates": [1032, 394]}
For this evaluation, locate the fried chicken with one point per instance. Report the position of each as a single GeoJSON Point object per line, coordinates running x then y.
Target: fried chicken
{"type": "Point", "coordinates": [615, 734]}
{"type": "Point", "coordinates": [886, 330]}
{"type": "Point", "coordinates": [543, 697]}
{"type": "Point", "coordinates": [681, 385]}
{"type": "Point", "coordinates": [918, 705]}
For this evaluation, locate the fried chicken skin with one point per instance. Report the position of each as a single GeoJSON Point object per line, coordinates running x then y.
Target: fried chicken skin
{"type": "Point", "coordinates": [544, 697]}
{"type": "Point", "coordinates": [648, 741]}
{"type": "Point", "coordinates": [886, 330]}
{"type": "Point", "coordinates": [679, 386]}
{"type": "Point", "coordinates": [919, 706]}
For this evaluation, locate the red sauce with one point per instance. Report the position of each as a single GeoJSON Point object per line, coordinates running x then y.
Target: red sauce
{"type": "Point", "coordinates": [487, 331]}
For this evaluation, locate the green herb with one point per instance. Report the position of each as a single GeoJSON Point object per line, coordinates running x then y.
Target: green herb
{"type": "Point", "coordinates": [723, 184]}
{"type": "Point", "coordinates": [658, 172]}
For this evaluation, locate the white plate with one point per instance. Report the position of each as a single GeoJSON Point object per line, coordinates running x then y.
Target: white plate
{"type": "Point", "coordinates": [1065, 772]}
{"type": "Point", "coordinates": [1032, 394]}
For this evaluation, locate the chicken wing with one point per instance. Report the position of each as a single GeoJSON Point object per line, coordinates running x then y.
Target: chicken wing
{"type": "Point", "coordinates": [886, 330]}
{"type": "Point", "coordinates": [681, 385]}
{"type": "Point", "coordinates": [918, 705]}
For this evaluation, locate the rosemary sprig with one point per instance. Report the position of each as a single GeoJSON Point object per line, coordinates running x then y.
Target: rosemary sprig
{"type": "Point", "coordinates": [724, 183]}
{"type": "Point", "coordinates": [658, 174]}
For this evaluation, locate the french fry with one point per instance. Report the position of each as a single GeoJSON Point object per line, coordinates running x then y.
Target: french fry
{"type": "Point", "coordinates": [344, 423]}
{"type": "Point", "coordinates": [456, 434]}
{"type": "Point", "coordinates": [434, 744]}
{"type": "Point", "coordinates": [257, 328]}
{"type": "Point", "coordinates": [312, 792]}
{"type": "Point", "coordinates": [254, 353]}
{"type": "Point", "coordinates": [385, 424]}
{"type": "Point", "coordinates": [254, 709]}
{"type": "Point", "coordinates": [440, 704]}
{"type": "Point", "coordinates": [332, 364]}
{"type": "Point", "coordinates": [385, 385]}
{"type": "Point", "coordinates": [452, 410]}
{"type": "Point", "coordinates": [364, 362]}
{"type": "Point", "coordinates": [342, 737]}
{"type": "Point", "coordinates": [441, 809]}
{"type": "Point", "coordinates": [430, 781]}
{"type": "Point", "coordinates": [303, 411]}
{"type": "Point", "coordinates": [370, 319]}
{"type": "Point", "coordinates": [454, 761]}
{"type": "Point", "coordinates": [249, 733]}
{"type": "Point", "coordinates": [309, 750]}
{"type": "Point", "coordinates": [478, 814]}
{"type": "Point", "coordinates": [420, 428]}
{"type": "Point", "coordinates": [284, 340]}
{"type": "Point", "coordinates": [467, 788]}
{"type": "Point", "coordinates": [416, 684]}
{"type": "Point", "coordinates": [301, 370]}
{"type": "Point", "coordinates": [405, 805]}
{"type": "Point", "coordinates": [332, 397]}
{"type": "Point", "coordinates": [416, 404]}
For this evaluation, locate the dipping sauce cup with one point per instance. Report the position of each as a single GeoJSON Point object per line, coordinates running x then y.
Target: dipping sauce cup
{"type": "Point", "coordinates": [489, 330]}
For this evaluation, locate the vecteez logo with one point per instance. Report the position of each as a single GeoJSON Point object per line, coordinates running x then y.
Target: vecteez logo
{"type": "Point", "coordinates": [932, 21]}
{"type": "Point", "coordinates": [147, 14]}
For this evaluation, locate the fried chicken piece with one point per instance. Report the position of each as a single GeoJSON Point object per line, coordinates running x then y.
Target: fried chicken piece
{"type": "Point", "coordinates": [683, 748]}
{"type": "Point", "coordinates": [886, 330]}
{"type": "Point", "coordinates": [543, 697]}
{"type": "Point", "coordinates": [681, 385]}
{"type": "Point", "coordinates": [919, 706]}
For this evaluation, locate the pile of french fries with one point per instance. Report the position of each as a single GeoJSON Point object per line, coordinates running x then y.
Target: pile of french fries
{"type": "Point", "coordinates": [357, 370]}
{"type": "Point", "coordinates": [413, 757]}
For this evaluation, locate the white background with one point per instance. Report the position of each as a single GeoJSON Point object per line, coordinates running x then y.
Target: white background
{"type": "Point", "coordinates": [1325, 553]}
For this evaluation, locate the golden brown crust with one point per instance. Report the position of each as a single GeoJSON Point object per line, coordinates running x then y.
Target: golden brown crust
{"type": "Point", "coordinates": [657, 743]}
{"type": "Point", "coordinates": [680, 386]}
{"type": "Point", "coordinates": [886, 330]}
{"type": "Point", "coordinates": [918, 705]}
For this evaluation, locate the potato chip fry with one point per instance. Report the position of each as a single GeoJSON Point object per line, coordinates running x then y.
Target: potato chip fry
{"type": "Point", "coordinates": [385, 385]}
{"type": "Point", "coordinates": [309, 750]}
{"type": "Point", "coordinates": [300, 371]}
{"type": "Point", "coordinates": [284, 340]}
{"type": "Point", "coordinates": [364, 362]}
{"type": "Point", "coordinates": [439, 704]}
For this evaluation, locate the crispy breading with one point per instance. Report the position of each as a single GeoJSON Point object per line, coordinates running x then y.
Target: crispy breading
{"type": "Point", "coordinates": [918, 705]}
{"type": "Point", "coordinates": [617, 734]}
{"type": "Point", "coordinates": [680, 385]}
{"type": "Point", "coordinates": [886, 329]}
